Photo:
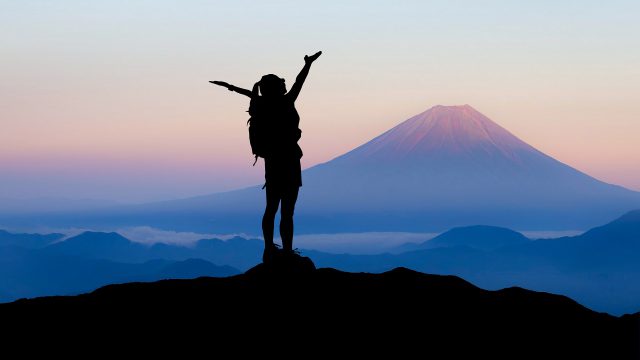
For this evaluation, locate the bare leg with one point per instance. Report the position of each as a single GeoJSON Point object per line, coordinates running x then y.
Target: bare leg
{"type": "Point", "coordinates": [289, 198]}
{"type": "Point", "coordinates": [268, 219]}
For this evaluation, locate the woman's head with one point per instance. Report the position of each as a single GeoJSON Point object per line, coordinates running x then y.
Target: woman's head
{"type": "Point", "coordinates": [272, 85]}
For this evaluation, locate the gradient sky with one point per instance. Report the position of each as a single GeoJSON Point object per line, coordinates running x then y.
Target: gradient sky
{"type": "Point", "coordinates": [110, 100]}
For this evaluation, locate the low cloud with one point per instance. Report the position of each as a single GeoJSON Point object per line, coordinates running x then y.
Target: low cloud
{"type": "Point", "coordinates": [145, 234]}
{"type": "Point", "coordinates": [534, 235]}
{"type": "Point", "coordinates": [150, 235]}
{"type": "Point", "coordinates": [353, 243]}
{"type": "Point", "coordinates": [359, 243]}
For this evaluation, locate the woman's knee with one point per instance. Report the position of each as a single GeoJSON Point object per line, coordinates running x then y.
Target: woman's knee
{"type": "Point", "coordinates": [286, 213]}
{"type": "Point", "coordinates": [270, 212]}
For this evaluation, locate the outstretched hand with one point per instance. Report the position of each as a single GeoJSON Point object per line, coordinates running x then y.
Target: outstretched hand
{"type": "Point", "coordinates": [222, 83]}
{"type": "Point", "coordinates": [309, 59]}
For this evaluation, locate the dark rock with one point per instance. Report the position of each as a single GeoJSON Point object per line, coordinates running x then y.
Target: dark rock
{"type": "Point", "coordinates": [274, 310]}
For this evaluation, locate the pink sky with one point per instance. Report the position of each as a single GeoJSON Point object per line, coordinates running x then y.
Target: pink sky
{"type": "Point", "coordinates": [111, 101]}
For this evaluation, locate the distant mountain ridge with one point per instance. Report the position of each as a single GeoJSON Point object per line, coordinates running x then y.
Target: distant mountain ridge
{"type": "Point", "coordinates": [99, 245]}
{"type": "Point", "coordinates": [625, 228]}
{"type": "Point", "coordinates": [28, 240]}
{"type": "Point", "coordinates": [243, 253]}
{"type": "Point", "coordinates": [82, 263]}
{"type": "Point", "coordinates": [477, 236]}
{"type": "Point", "coordinates": [598, 268]}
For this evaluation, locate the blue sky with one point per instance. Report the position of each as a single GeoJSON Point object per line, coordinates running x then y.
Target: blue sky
{"type": "Point", "coordinates": [109, 99]}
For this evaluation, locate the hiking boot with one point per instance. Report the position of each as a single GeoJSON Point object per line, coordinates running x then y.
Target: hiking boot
{"type": "Point", "coordinates": [291, 253]}
{"type": "Point", "coordinates": [269, 253]}
{"type": "Point", "coordinates": [293, 262]}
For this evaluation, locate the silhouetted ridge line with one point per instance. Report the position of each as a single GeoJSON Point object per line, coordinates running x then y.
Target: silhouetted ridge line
{"type": "Point", "coordinates": [400, 310]}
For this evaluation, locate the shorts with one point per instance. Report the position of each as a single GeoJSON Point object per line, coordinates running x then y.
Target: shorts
{"type": "Point", "coordinates": [282, 172]}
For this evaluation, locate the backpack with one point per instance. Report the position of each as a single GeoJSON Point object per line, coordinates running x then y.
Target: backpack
{"type": "Point", "coordinates": [259, 132]}
{"type": "Point", "coordinates": [273, 123]}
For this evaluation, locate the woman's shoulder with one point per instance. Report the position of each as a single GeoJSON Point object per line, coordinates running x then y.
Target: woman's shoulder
{"type": "Point", "coordinates": [289, 97]}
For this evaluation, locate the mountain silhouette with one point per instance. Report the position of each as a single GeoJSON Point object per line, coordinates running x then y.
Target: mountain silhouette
{"type": "Point", "coordinates": [623, 231]}
{"type": "Point", "coordinates": [99, 245]}
{"type": "Point", "coordinates": [328, 311]}
{"type": "Point", "coordinates": [452, 165]}
{"type": "Point", "coordinates": [244, 253]}
{"type": "Point", "coordinates": [478, 236]}
{"type": "Point", "coordinates": [37, 272]}
{"type": "Point", "coordinates": [30, 241]}
{"type": "Point", "coordinates": [615, 245]}
{"type": "Point", "coordinates": [598, 268]}
{"type": "Point", "coordinates": [448, 166]}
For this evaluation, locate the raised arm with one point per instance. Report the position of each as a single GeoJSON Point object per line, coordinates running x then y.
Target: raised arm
{"type": "Point", "coordinates": [302, 76]}
{"type": "Point", "coordinates": [239, 90]}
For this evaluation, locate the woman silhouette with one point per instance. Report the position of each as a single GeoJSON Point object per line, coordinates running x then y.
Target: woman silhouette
{"type": "Point", "coordinates": [282, 163]}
